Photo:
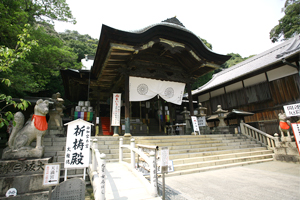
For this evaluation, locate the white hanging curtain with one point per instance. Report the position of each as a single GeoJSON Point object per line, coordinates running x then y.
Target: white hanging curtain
{"type": "Point", "coordinates": [143, 89]}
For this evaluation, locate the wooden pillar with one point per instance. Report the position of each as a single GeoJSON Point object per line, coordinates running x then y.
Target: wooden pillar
{"type": "Point", "coordinates": [189, 90]}
{"type": "Point", "coordinates": [127, 107]}
{"type": "Point", "coordinates": [163, 113]}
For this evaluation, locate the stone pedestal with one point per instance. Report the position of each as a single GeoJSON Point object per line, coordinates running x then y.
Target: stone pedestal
{"type": "Point", "coordinates": [186, 116]}
{"type": "Point", "coordinates": [287, 151]}
{"type": "Point", "coordinates": [221, 130]}
{"type": "Point", "coordinates": [204, 130]}
{"type": "Point", "coordinates": [24, 175]}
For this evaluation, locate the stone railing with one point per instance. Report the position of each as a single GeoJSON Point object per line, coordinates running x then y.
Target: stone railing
{"type": "Point", "coordinates": [150, 159]}
{"type": "Point", "coordinates": [259, 136]}
{"type": "Point", "coordinates": [97, 171]}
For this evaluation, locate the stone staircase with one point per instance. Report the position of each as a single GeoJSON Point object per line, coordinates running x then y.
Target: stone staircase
{"type": "Point", "coordinates": [192, 154]}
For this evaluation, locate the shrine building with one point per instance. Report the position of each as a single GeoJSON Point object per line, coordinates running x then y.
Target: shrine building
{"type": "Point", "coordinates": [151, 68]}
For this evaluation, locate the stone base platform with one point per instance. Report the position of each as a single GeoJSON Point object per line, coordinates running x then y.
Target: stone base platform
{"type": "Point", "coordinates": [24, 175]}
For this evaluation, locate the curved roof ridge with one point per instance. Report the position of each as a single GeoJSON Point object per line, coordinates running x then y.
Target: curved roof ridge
{"type": "Point", "coordinates": [170, 25]}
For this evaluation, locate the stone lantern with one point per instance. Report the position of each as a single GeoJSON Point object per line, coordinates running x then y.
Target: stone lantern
{"type": "Point", "coordinates": [187, 118]}
{"type": "Point", "coordinates": [203, 127]}
{"type": "Point", "coordinates": [222, 128]}
{"type": "Point", "coordinates": [221, 115]}
{"type": "Point", "coordinates": [201, 111]}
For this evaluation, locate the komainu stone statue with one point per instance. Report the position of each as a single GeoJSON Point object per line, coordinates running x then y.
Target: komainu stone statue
{"type": "Point", "coordinates": [56, 114]}
{"type": "Point", "coordinates": [284, 127]}
{"type": "Point", "coordinates": [22, 136]}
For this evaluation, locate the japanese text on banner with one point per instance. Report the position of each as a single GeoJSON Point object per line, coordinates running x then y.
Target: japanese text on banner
{"type": "Point", "coordinates": [78, 145]}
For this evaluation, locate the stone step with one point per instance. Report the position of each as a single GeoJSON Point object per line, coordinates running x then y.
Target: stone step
{"type": "Point", "coordinates": [205, 149]}
{"type": "Point", "coordinates": [54, 148]}
{"type": "Point", "coordinates": [217, 161]}
{"type": "Point", "coordinates": [187, 139]}
{"type": "Point", "coordinates": [193, 141]}
{"type": "Point", "coordinates": [220, 156]}
{"type": "Point", "coordinates": [170, 144]}
{"type": "Point", "coordinates": [213, 153]}
{"type": "Point", "coordinates": [203, 169]}
{"type": "Point", "coordinates": [188, 136]}
{"type": "Point", "coordinates": [193, 145]}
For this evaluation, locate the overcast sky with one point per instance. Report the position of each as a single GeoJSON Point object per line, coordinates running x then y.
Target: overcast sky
{"type": "Point", "coordinates": [231, 26]}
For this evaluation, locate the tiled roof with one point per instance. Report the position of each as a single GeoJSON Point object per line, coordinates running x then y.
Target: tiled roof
{"type": "Point", "coordinates": [273, 55]}
{"type": "Point", "coordinates": [174, 20]}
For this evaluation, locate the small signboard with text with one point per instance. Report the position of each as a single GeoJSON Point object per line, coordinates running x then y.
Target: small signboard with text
{"type": "Point", "coordinates": [51, 174]}
{"type": "Point", "coordinates": [292, 110]}
{"type": "Point", "coordinates": [201, 121]}
{"type": "Point", "coordinates": [164, 159]}
{"type": "Point", "coordinates": [116, 109]}
{"type": "Point", "coordinates": [78, 144]}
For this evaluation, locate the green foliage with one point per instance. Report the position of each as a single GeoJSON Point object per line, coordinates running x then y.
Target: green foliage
{"type": "Point", "coordinates": [206, 43]}
{"type": "Point", "coordinates": [24, 65]}
{"type": "Point", "coordinates": [48, 10]}
{"type": "Point", "coordinates": [202, 80]}
{"type": "Point", "coordinates": [289, 25]}
{"type": "Point", "coordinates": [81, 44]}
{"type": "Point", "coordinates": [235, 59]}
{"type": "Point", "coordinates": [8, 58]}
{"type": "Point", "coordinates": [13, 18]}
{"type": "Point", "coordinates": [43, 63]}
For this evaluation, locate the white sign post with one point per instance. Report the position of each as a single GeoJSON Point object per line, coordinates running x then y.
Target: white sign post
{"type": "Point", "coordinates": [296, 130]}
{"type": "Point", "coordinates": [77, 145]}
{"type": "Point", "coordinates": [195, 124]}
{"type": "Point", "coordinates": [51, 174]}
{"type": "Point", "coordinates": [164, 165]}
{"type": "Point", "coordinates": [292, 110]}
{"type": "Point", "coordinates": [116, 109]}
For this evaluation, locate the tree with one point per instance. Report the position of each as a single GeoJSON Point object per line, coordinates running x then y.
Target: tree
{"type": "Point", "coordinates": [8, 57]}
{"type": "Point", "coordinates": [289, 25]}
{"type": "Point", "coordinates": [44, 62]}
{"type": "Point", "coordinates": [81, 44]}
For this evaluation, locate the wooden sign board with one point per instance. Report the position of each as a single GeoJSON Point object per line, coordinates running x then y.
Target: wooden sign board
{"type": "Point", "coordinates": [51, 174]}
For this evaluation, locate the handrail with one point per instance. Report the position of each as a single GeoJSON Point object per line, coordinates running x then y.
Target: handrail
{"type": "Point", "coordinates": [259, 136]}
{"type": "Point", "coordinates": [150, 160]}
{"type": "Point", "coordinates": [97, 171]}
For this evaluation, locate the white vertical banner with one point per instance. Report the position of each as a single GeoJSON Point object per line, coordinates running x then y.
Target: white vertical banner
{"type": "Point", "coordinates": [296, 130]}
{"type": "Point", "coordinates": [116, 109]}
{"type": "Point", "coordinates": [78, 144]}
{"type": "Point", "coordinates": [195, 124]}
{"type": "Point", "coordinates": [164, 159]}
